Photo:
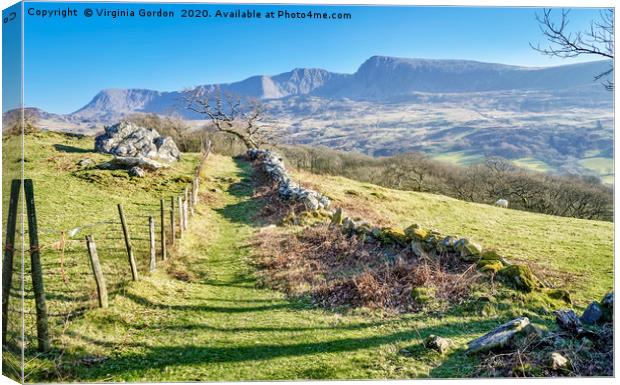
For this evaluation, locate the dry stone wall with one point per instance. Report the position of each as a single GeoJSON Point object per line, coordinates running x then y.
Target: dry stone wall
{"type": "Point", "coordinates": [421, 241]}
{"type": "Point", "coordinates": [273, 167]}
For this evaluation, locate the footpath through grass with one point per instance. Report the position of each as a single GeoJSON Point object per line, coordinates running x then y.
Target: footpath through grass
{"type": "Point", "coordinates": [203, 318]}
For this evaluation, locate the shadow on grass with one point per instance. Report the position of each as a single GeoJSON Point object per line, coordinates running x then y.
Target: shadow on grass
{"type": "Point", "coordinates": [72, 149]}
{"type": "Point", "coordinates": [206, 308]}
{"type": "Point", "coordinates": [456, 364]}
{"type": "Point", "coordinates": [246, 209]}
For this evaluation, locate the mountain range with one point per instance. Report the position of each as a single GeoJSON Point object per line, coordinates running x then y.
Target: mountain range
{"type": "Point", "coordinates": [379, 79]}
{"type": "Point", "coordinates": [548, 118]}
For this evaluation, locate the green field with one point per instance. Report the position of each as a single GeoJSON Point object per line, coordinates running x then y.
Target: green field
{"type": "Point", "coordinates": [532, 164]}
{"type": "Point", "coordinates": [465, 158]}
{"type": "Point", "coordinates": [604, 167]}
{"type": "Point", "coordinates": [203, 315]}
{"type": "Point", "coordinates": [462, 158]}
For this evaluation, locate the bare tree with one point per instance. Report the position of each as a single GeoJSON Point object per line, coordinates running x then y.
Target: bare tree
{"type": "Point", "coordinates": [598, 40]}
{"type": "Point", "coordinates": [410, 171]}
{"type": "Point", "coordinates": [232, 115]}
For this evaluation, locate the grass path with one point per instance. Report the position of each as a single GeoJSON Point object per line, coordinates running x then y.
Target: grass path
{"type": "Point", "coordinates": [215, 324]}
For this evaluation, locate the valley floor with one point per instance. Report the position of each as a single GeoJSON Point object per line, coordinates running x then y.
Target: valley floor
{"type": "Point", "coordinates": [213, 323]}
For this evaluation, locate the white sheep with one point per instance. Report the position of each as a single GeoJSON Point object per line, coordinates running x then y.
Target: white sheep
{"type": "Point", "coordinates": [502, 203]}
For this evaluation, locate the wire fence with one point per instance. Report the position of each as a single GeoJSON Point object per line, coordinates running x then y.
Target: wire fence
{"type": "Point", "coordinates": [70, 274]}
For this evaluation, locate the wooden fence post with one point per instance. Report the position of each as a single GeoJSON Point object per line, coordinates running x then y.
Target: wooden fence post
{"type": "Point", "coordinates": [185, 214]}
{"type": "Point", "coordinates": [36, 269]}
{"type": "Point", "coordinates": [191, 202]}
{"type": "Point", "coordinates": [172, 229]}
{"type": "Point", "coordinates": [180, 204]}
{"type": "Point", "coordinates": [196, 190]}
{"type": "Point", "coordinates": [132, 261]}
{"type": "Point", "coordinates": [162, 226]}
{"type": "Point", "coordinates": [9, 249]}
{"type": "Point", "coordinates": [153, 263]}
{"type": "Point", "coordinates": [102, 289]}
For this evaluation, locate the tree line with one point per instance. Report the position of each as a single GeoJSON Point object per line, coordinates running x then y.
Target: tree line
{"type": "Point", "coordinates": [495, 178]}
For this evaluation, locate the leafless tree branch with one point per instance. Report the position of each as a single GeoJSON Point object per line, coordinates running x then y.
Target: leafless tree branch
{"type": "Point", "coordinates": [232, 115]}
{"type": "Point", "coordinates": [598, 40]}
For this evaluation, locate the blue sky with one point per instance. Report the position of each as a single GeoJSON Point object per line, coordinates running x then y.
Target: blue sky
{"type": "Point", "coordinates": [11, 62]}
{"type": "Point", "coordinates": [67, 61]}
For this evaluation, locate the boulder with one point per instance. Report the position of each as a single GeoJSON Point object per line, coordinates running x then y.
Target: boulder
{"type": "Point", "coordinates": [415, 232]}
{"type": "Point", "coordinates": [469, 251]}
{"type": "Point", "coordinates": [440, 344]}
{"type": "Point", "coordinates": [349, 224]}
{"type": "Point", "coordinates": [393, 235]}
{"type": "Point", "coordinates": [533, 331]}
{"type": "Point", "coordinates": [491, 267]}
{"type": "Point", "coordinates": [499, 337]}
{"type": "Point", "coordinates": [136, 171]}
{"type": "Point", "coordinates": [592, 314]}
{"type": "Point", "coordinates": [126, 139]}
{"type": "Point", "coordinates": [557, 361]}
{"type": "Point", "coordinates": [560, 294]}
{"type": "Point", "coordinates": [310, 202]}
{"type": "Point", "coordinates": [567, 320]}
{"type": "Point", "coordinates": [126, 163]}
{"type": "Point", "coordinates": [607, 305]}
{"type": "Point", "coordinates": [608, 300]}
{"type": "Point", "coordinates": [446, 244]}
{"type": "Point", "coordinates": [416, 249]}
{"type": "Point", "coordinates": [520, 276]}
{"type": "Point", "coordinates": [85, 162]}
{"type": "Point", "coordinates": [324, 201]}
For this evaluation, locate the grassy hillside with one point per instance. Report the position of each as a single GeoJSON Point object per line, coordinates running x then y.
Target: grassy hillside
{"type": "Point", "coordinates": [205, 315]}
{"type": "Point", "coordinates": [572, 253]}
{"type": "Point", "coordinates": [75, 198]}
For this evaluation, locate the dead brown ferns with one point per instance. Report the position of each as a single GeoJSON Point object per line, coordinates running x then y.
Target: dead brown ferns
{"type": "Point", "coordinates": [339, 270]}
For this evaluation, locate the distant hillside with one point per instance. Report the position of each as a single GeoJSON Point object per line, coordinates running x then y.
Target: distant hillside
{"type": "Point", "coordinates": [550, 119]}
{"type": "Point", "coordinates": [380, 79]}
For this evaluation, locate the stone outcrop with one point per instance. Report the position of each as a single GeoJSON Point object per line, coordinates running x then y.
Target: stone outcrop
{"type": "Point", "coordinates": [127, 163]}
{"type": "Point", "coordinates": [592, 314]}
{"type": "Point", "coordinates": [499, 337]}
{"type": "Point", "coordinates": [437, 343]}
{"type": "Point", "coordinates": [599, 312]}
{"type": "Point", "coordinates": [126, 139]}
{"type": "Point", "coordinates": [567, 320]}
{"type": "Point", "coordinates": [273, 167]}
{"type": "Point", "coordinates": [557, 361]}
